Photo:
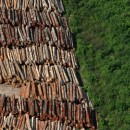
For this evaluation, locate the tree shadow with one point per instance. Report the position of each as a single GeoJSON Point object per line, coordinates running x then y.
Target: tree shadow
{"type": "Point", "coordinates": [74, 40]}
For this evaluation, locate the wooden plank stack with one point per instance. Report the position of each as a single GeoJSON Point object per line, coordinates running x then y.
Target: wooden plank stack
{"type": "Point", "coordinates": [37, 55]}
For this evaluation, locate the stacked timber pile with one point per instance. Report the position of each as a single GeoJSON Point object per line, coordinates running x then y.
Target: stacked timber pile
{"type": "Point", "coordinates": [37, 54]}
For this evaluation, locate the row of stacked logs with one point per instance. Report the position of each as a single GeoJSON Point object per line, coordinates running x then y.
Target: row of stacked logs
{"type": "Point", "coordinates": [37, 53]}
{"type": "Point", "coordinates": [12, 72]}
{"type": "Point", "coordinates": [32, 17]}
{"type": "Point", "coordinates": [25, 122]}
{"type": "Point", "coordinates": [74, 113]}
{"type": "Point", "coordinates": [25, 35]}
{"type": "Point", "coordinates": [36, 4]}
{"type": "Point", "coordinates": [40, 55]}
{"type": "Point", "coordinates": [53, 91]}
{"type": "Point", "coordinates": [22, 28]}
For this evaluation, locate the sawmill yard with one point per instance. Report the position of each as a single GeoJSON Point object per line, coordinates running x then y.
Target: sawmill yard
{"type": "Point", "coordinates": [64, 66]}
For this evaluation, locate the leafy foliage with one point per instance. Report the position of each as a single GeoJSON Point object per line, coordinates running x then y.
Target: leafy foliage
{"type": "Point", "coordinates": [102, 29]}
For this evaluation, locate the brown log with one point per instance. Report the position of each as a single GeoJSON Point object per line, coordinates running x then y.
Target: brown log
{"type": "Point", "coordinates": [45, 109]}
{"type": "Point", "coordinates": [50, 109]}
{"type": "Point", "coordinates": [17, 121]}
{"type": "Point", "coordinates": [50, 92]}
{"type": "Point", "coordinates": [23, 123]}
{"type": "Point", "coordinates": [47, 73]}
{"type": "Point", "coordinates": [47, 35]}
{"type": "Point", "coordinates": [40, 70]}
{"type": "Point", "coordinates": [52, 72]}
{"type": "Point", "coordinates": [20, 122]}
{"type": "Point", "coordinates": [43, 73]}
{"type": "Point", "coordinates": [31, 107]}
{"type": "Point", "coordinates": [62, 93]}
{"type": "Point", "coordinates": [58, 56]}
{"type": "Point", "coordinates": [65, 90]}
{"type": "Point", "coordinates": [63, 110]}
{"type": "Point", "coordinates": [39, 34]}
{"type": "Point", "coordinates": [54, 36]}
{"type": "Point", "coordinates": [65, 75]}
{"type": "Point", "coordinates": [13, 105]}
{"type": "Point", "coordinates": [69, 75]}
{"type": "Point", "coordinates": [19, 70]}
{"type": "Point", "coordinates": [2, 102]}
{"type": "Point", "coordinates": [8, 120]}
{"type": "Point", "coordinates": [3, 69]}
{"type": "Point", "coordinates": [40, 91]}
{"type": "Point", "coordinates": [28, 89]}
{"type": "Point", "coordinates": [54, 109]}
{"type": "Point", "coordinates": [80, 93]}
{"type": "Point", "coordinates": [54, 54]}
{"type": "Point", "coordinates": [23, 91]}
{"type": "Point", "coordinates": [41, 20]}
{"type": "Point", "coordinates": [47, 52]}
{"type": "Point", "coordinates": [2, 35]}
{"type": "Point", "coordinates": [34, 53]}
{"type": "Point", "coordinates": [12, 68]}
{"type": "Point", "coordinates": [8, 54]}
{"type": "Point", "coordinates": [61, 33]}
{"type": "Point", "coordinates": [66, 56]}
{"type": "Point", "coordinates": [62, 74]}
{"type": "Point", "coordinates": [45, 125]}
{"type": "Point", "coordinates": [74, 93]}
{"type": "Point", "coordinates": [41, 109]}
{"type": "Point", "coordinates": [51, 55]}
{"type": "Point", "coordinates": [41, 125]}
{"type": "Point", "coordinates": [14, 122]}
{"type": "Point", "coordinates": [58, 20]}
{"type": "Point", "coordinates": [20, 34]}
{"type": "Point", "coordinates": [57, 108]}
{"type": "Point", "coordinates": [8, 105]}
{"type": "Point", "coordinates": [24, 20]}
{"type": "Point", "coordinates": [26, 4]}
{"type": "Point", "coordinates": [59, 91]}
{"type": "Point", "coordinates": [1, 76]}
{"type": "Point", "coordinates": [44, 90]}
{"type": "Point", "coordinates": [40, 51]}
{"type": "Point", "coordinates": [71, 92]}
{"type": "Point", "coordinates": [59, 5]}
{"type": "Point", "coordinates": [20, 105]}
{"type": "Point", "coordinates": [28, 122]}
{"type": "Point", "coordinates": [12, 56]}
{"type": "Point", "coordinates": [34, 92]}
{"type": "Point", "coordinates": [44, 14]}
{"type": "Point", "coordinates": [69, 59]}
{"type": "Point", "coordinates": [11, 121]}
{"type": "Point", "coordinates": [7, 67]}
{"type": "Point", "coordinates": [30, 75]}
{"type": "Point", "coordinates": [53, 91]}
{"type": "Point", "coordinates": [37, 124]}
{"type": "Point", "coordinates": [23, 55]}
{"type": "Point", "coordinates": [37, 108]}
{"type": "Point", "coordinates": [37, 54]}
{"type": "Point", "coordinates": [58, 73]}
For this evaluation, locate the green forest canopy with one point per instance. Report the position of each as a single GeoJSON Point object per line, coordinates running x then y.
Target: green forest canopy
{"type": "Point", "coordinates": [102, 32]}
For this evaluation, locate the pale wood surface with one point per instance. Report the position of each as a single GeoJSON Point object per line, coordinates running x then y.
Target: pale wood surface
{"type": "Point", "coordinates": [8, 90]}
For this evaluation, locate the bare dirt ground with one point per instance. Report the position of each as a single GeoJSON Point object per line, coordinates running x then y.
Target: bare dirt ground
{"type": "Point", "coordinates": [8, 90]}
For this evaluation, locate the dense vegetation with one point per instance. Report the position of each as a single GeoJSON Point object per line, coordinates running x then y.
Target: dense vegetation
{"type": "Point", "coordinates": [102, 32]}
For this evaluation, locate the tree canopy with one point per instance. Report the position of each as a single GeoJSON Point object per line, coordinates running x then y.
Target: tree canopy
{"type": "Point", "coordinates": [102, 33]}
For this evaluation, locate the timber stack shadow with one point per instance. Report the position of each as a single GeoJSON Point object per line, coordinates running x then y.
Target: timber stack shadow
{"type": "Point", "coordinates": [39, 87]}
